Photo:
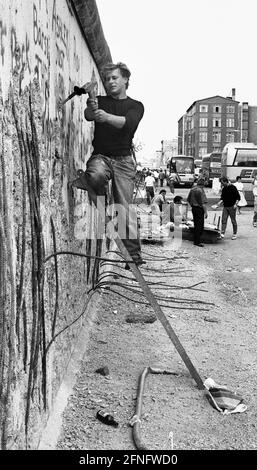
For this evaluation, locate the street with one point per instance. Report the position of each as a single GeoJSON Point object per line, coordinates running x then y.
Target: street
{"type": "Point", "coordinates": [216, 323]}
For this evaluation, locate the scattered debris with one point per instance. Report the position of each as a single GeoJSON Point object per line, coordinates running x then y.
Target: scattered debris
{"type": "Point", "coordinates": [140, 318]}
{"type": "Point", "coordinates": [106, 418]}
{"type": "Point", "coordinates": [103, 370]}
{"type": "Point", "coordinates": [211, 320]}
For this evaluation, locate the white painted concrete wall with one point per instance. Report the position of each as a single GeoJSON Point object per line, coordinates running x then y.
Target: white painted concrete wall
{"type": "Point", "coordinates": [43, 50]}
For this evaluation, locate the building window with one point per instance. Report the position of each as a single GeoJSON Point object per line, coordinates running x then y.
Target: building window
{"type": "Point", "coordinates": [189, 123]}
{"type": "Point", "coordinates": [216, 122]}
{"type": "Point", "coordinates": [244, 136]}
{"type": "Point", "coordinates": [202, 136]}
{"type": "Point", "coordinates": [230, 137]}
{"type": "Point", "coordinates": [230, 122]}
{"type": "Point", "coordinates": [203, 122]}
{"type": "Point", "coordinates": [216, 149]}
{"type": "Point", "coordinates": [202, 151]}
{"type": "Point", "coordinates": [203, 108]}
{"type": "Point", "coordinates": [216, 136]}
{"type": "Point", "coordinates": [217, 109]}
{"type": "Point", "coordinates": [230, 109]}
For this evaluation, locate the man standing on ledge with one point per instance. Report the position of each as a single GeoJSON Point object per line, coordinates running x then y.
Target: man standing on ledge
{"type": "Point", "coordinates": [116, 118]}
{"type": "Point", "coordinates": [198, 200]}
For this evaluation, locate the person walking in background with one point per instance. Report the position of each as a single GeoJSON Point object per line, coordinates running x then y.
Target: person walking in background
{"type": "Point", "coordinates": [156, 177]}
{"type": "Point", "coordinates": [149, 187]}
{"type": "Point", "coordinates": [161, 177]}
{"type": "Point", "coordinates": [198, 202]}
{"type": "Point", "coordinates": [254, 189]}
{"type": "Point", "coordinates": [229, 198]}
{"type": "Point", "coordinates": [240, 187]}
{"type": "Point", "coordinates": [172, 180]}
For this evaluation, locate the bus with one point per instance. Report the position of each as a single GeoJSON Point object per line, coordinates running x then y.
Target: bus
{"type": "Point", "coordinates": [184, 167]}
{"type": "Point", "coordinates": [240, 159]}
{"type": "Point", "coordinates": [211, 167]}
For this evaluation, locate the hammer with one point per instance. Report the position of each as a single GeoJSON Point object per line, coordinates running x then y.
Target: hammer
{"type": "Point", "coordinates": [89, 88]}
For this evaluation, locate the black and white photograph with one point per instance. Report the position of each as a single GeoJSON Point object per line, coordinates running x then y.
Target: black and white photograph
{"type": "Point", "coordinates": [128, 231]}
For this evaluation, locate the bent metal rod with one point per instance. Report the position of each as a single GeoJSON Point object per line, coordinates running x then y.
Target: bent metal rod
{"type": "Point", "coordinates": [148, 293]}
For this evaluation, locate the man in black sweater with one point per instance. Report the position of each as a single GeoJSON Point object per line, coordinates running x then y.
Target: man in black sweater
{"type": "Point", "coordinates": [116, 118]}
{"type": "Point", "coordinates": [229, 198]}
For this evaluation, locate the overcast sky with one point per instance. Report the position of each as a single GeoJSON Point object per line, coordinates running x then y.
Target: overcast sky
{"type": "Point", "coordinates": [180, 51]}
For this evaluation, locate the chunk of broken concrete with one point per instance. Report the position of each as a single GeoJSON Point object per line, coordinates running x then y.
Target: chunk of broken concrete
{"type": "Point", "coordinates": [140, 318]}
{"type": "Point", "coordinates": [103, 371]}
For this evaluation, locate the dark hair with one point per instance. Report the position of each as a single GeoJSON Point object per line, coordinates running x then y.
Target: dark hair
{"type": "Point", "coordinates": [162, 191]}
{"type": "Point", "coordinates": [177, 199]}
{"type": "Point", "coordinates": [223, 179]}
{"type": "Point", "coordinates": [238, 178]}
{"type": "Point", "coordinates": [124, 70]}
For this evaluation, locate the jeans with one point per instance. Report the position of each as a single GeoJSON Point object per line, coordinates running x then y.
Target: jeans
{"type": "Point", "coordinates": [121, 170]}
{"type": "Point", "coordinates": [149, 194]}
{"type": "Point", "coordinates": [231, 212]}
{"type": "Point", "coordinates": [198, 218]}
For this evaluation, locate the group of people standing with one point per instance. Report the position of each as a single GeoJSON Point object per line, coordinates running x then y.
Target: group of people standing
{"type": "Point", "coordinates": [152, 180]}
{"type": "Point", "coordinates": [232, 198]}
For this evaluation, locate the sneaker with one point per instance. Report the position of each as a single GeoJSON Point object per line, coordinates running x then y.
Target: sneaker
{"type": "Point", "coordinates": [221, 236]}
{"type": "Point", "coordinates": [234, 237]}
{"type": "Point", "coordinates": [255, 224]}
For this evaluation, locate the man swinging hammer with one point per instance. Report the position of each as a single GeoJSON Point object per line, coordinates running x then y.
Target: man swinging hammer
{"type": "Point", "coordinates": [116, 118]}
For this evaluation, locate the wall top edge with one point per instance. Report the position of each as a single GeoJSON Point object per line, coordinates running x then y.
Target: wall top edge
{"type": "Point", "coordinates": [88, 17]}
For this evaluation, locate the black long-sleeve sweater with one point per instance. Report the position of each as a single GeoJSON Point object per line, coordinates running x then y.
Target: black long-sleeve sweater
{"type": "Point", "coordinates": [110, 141]}
{"type": "Point", "coordinates": [230, 195]}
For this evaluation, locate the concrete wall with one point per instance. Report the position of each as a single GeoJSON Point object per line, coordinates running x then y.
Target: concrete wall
{"type": "Point", "coordinates": [44, 52]}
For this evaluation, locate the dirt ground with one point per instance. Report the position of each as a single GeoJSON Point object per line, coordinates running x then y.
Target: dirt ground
{"type": "Point", "coordinates": [216, 324]}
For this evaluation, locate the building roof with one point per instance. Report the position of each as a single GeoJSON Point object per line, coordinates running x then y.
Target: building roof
{"type": "Point", "coordinates": [211, 98]}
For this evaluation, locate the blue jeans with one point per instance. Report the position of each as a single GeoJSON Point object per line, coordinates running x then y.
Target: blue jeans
{"type": "Point", "coordinates": [231, 212]}
{"type": "Point", "coordinates": [121, 170]}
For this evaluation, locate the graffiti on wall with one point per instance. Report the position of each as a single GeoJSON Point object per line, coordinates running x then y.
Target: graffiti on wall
{"type": "Point", "coordinates": [46, 59]}
{"type": "Point", "coordinates": [51, 55]}
{"type": "Point", "coordinates": [47, 26]}
{"type": "Point", "coordinates": [20, 55]}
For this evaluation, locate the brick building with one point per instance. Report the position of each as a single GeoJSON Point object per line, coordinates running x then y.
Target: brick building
{"type": "Point", "coordinates": [210, 123]}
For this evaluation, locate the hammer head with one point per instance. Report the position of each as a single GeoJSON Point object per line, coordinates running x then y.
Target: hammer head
{"type": "Point", "coordinates": [89, 88]}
